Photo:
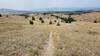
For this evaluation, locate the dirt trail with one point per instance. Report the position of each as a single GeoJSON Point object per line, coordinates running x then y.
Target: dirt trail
{"type": "Point", "coordinates": [50, 49]}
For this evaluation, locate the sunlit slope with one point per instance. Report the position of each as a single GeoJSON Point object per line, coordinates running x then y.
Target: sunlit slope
{"type": "Point", "coordinates": [20, 38]}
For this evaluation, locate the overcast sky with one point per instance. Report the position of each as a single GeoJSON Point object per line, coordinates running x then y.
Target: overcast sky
{"type": "Point", "coordinates": [31, 4]}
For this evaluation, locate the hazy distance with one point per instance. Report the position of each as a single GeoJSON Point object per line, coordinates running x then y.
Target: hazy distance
{"type": "Point", "coordinates": [41, 4]}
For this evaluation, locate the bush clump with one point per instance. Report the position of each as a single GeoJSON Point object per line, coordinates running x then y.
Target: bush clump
{"type": "Point", "coordinates": [7, 16]}
{"type": "Point", "coordinates": [50, 22]}
{"type": "Point", "coordinates": [52, 15]}
{"type": "Point", "coordinates": [67, 20]}
{"type": "Point", "coordinates": [33, 18]}
{"type": "Point", "coordinates": [25, 15]}
{"type": "Point", "coordinates": [40, 18]}
{"type": "Point", "coordinates": [42, 21]}
{"type": "Point", "coordinates": [55, 21]}
{"type": "Point", "coordinates": [58, 24]}
{"type": "Point", "coordinates": [0, 15]}
{"type": "Point", "coordinates": [95, 21]}
{"type": "Point", "coordinates": [31, 22]}
{"type": "Point", "coordinates": [57, 17]}
{"type": "Point", "coordinates": [70, 19]}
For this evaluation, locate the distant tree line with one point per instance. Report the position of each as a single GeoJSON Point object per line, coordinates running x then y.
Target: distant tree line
{"type": "Point", "coordinates": [67, 20]}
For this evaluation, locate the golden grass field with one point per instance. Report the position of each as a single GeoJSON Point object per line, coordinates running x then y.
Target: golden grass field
{"type": "Point", "coordinates": [19, 38]}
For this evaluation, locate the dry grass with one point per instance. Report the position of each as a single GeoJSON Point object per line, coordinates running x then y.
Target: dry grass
{"type": "Point", "coordinates": [19, 38]}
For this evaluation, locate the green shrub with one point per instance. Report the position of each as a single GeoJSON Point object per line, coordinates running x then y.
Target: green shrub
{"type": "Point", "coordinates": [69, 20]}
{"type": "Point", "coordinates": [30, 49]}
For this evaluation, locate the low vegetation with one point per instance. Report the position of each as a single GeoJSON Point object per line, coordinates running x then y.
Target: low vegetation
{"type": "Point", "coordinates": [95, 21]}
{"type": "Point", "coordinates": [42, 21]}
{"type": "Point", "coordinates": [67, 20]}
{"type": "Point", "coordinates": [0, 15]}
{"type": "Point", "coordinates": [92, 32]}
{"type": "Point", "coordinates": [31, 22]}
{"type": "Point", "coordinates": [40, 18]}
{"type": "Point", "coordinates": [25, 15]}
{"type": "Point", "coordinates": [33, 18]}
{"type": "Point", "coordinates": [58, 24]}
{"type": "Point", "coordinates": [50, 22]}
{"type": "Point", "coordinates": [55, 20]}
{"type": "Point", "coordinates": [7, 15]}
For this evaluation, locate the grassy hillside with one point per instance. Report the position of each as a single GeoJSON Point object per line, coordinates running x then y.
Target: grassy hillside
{"type": "Point", "coordinates": [20, 38]}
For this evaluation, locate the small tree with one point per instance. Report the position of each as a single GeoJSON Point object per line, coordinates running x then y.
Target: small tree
{"type": "Point", "coordinates": [50, 22]}
{"type": "Point", "coordinates": [42, 21]}
{"type": "Point", "coordinates": [95, 21]}
{"type": "Point", "coordinates": [57, 17]}
{"type": "Point", "coordinates": [55, 21]}
{"type": "Point", "coordinates": [7, 16]}
{"type": "Point", "coordinates": [44, 13]}
{"type": "Point", "coordinates": [58, 24]}
{"type": "Point", "coordinates": [31, 22]}
{"type": "Point", "coordinates": [40, 18]}
{"type": "Point", "coordinates": [26, 16]}
{"type": "Point", "coordinates": [33, 18]}
{"type": "Point", "coordinates": [0, 15]}
{"type": "Point", "coordinates": [52, 15]}
{"type": "Point", "coordinates": [70, 19]}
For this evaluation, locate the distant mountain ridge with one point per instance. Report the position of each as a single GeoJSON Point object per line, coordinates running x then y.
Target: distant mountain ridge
{"type": "Point", "coordinates": [65, 9]}
{"type": "Point", "coordinates": [11, 11]}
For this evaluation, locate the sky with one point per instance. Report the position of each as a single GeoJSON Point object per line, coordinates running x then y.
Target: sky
{"type": "Point", "coordinates": [33, 4]}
